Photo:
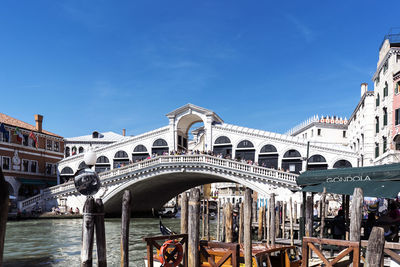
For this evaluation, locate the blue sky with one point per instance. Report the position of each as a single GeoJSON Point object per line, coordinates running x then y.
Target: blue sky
{"type": "Point", "coordinates": [107, 65]}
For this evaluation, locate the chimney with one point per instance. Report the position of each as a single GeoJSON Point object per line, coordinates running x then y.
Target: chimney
{"type": "Point", "coordinates": [39, 120]}
{"type": "Point", "coordinates": [124, 132]}
{"type": "Point", "coordinates": [364, 88]}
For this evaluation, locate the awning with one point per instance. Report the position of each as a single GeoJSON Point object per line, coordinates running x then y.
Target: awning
{"type": "Point", "coordinates": [376, 181]}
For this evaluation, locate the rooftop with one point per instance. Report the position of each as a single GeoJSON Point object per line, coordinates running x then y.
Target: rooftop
{"type": "Point", "coordinates": [8, 120]}
{"type": "Point", "coordinates": [101, 137]}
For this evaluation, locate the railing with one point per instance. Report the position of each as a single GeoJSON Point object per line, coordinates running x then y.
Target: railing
{"type": "Point", "coordinates": [230, 255]}
{"type": "Point", "coordinates": [288, 178]}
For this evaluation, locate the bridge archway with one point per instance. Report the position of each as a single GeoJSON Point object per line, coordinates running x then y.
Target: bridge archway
{"type": "Point", "coordinates": [342, 164]}
{"type": "Point", "coordinates": [317, 162]}
{"type": "Point", "coordinates": [223, 145]}
{"type": "Point", "coordinates": [160, 147]}
{"type": "Point", "coordinates": [139, 153]}
{"type": "Point", "coordinates": [292, 161]}
{"type": "Point", "coordinates": [268, 157]}
{"type": "Point", "coordinates": [65, 174]}
{"type": "Point", "coordinates": [102, 164]}
{"type": "Point", "coordinates": [184, 124]}
{"type": "Point", "coordinates": [245, 150]}
{"type": "Point", "coordinates": [161, 187]}
{"type": "Point", "coordinates": [121, 158]}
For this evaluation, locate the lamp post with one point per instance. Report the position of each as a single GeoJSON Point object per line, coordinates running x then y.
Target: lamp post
{"type": "Point", "coordinates": [87, 183]}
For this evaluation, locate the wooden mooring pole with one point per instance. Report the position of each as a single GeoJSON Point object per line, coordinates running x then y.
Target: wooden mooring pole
{"type": "Point", "coordinates": [323, 206]}
{"type": "Point", "coordinates": [268, 221]}
{"type": "Point", "coordinates": [247, 228]}
{"type": "Point", "coordinates": [125, 220]}
{"type": "Point", "coordinates": [309, 214]}
{"type": "Point", "coordinates": [88, 232]}
{"type": "Point", "coordinates": [265, 221]}
{"type": "Point", "coordinates": [193, 229]}
{"type": "Point", "coordinates": [356, 214]}
{"type": "Point", "coordinates": [260, 223]}
{"type": "Point", "coordinates": [3, 213]}
{"type": "Point", "coordinates": [375, 248]}
{"type": "Point", "coordinates": [207, 221]}
{"type": "Point", "coordinates": [100, 234]}
{"type": "Point", "coordinates": [241, 223]}
{"type": "Point", "coordinates": [273, 213]}
{"type": "Point", "coordinates": [203, 221]}
{"type": "Point", "coordinates": [291, 222]}
{"type": "Point", "coordinates": [228, 223]}
{"type": "Point", "coordinates": [218, 220]}
{"type": "Point", "coordinates": [184, 213]}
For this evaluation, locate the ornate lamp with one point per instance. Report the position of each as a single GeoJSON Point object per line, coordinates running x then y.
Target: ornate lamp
{"type": "Point", "coordinates": [86, 180]}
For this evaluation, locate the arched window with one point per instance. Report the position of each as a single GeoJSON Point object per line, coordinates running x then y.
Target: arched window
{"type": "Point", "coordinates": [245, 144]}
{"type": "Point", "coordinates": [121, 155]}
{"type": "Point", "coordinates": [377, 100]}
{"type": "Point", "coordinates": [385, 116]}
{"type": "Point", "coordinates": [268, 149]}
{"type": "Point", "coordinates": [140, 148]}
{"type": "Point", "coordinates": [317, 162]}
{"type": "Point", "coordinates": [121, 159]}
{"type": "Point", "coordinates": [222, 140]}
{"type": "Point", "coordinates": [74, 150]}
{"type": "Point", "coordinates": [160, 143]}
{"type": "Point", "coordinates": [95, 134]}
{"type": "Point", "coordinates": [102, 164]}
{"type": "Point", "coordinates": [292, 161]}
{"type": "Point", "coordinates": [67, 152]}
{"type": "Point", "coordinates": [385, 90]}
{"type": "Point", "coordinates": [160, 147]}
{"type": "Point", "coordinates": [245, 150]}
{"type": "Point", "coordinates": [81, 150]}
{"type": "Point", "coordinates": [222, 145]}
{"type": "Point", "coordinates": [67, 170]}
{"type": "Point", "coordinates": [342, 164]}
{"type": "Point", "coordinates": [268, 157]}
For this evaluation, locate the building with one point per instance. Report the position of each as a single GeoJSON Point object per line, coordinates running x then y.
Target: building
{"type": "Point", "coordinates": [28, 156]}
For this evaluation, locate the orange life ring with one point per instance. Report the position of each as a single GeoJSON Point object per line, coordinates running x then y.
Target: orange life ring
{"type": "Point", "coordinates": [171, 253]}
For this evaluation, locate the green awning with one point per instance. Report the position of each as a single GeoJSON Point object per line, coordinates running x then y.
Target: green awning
{"type": "Point", "coordinates": [376, 181]}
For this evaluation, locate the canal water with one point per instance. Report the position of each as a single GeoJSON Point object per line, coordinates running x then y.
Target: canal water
{"type": "Point", "coordinates": [57, 242]}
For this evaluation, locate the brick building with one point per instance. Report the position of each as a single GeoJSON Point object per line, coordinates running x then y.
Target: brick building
{"type": "Point", "coordinates": [28, 156]}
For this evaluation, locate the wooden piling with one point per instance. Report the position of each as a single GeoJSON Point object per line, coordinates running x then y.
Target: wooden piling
{"type": "Point", "coordinates": [125, 220]}
{"type": "Point", "coordinates": [88, 232]}
{"type": "Point", "coordinates": [254, 211]}
{"type": "Point", "coordinates": [260, 224]}
{"type": "Point", "coordinates": [264, 221]}
{"type": "Point", "coordinates": [268, 222]}
{"type": "Point", "coordinates": [100, 234]}
{"type": "Point", "coordinates": [309, 214]}
{"type": "Point", "coordinates": [323, 212]}
{"type": "Point", "coordinates": [247, 228]}
{"type": "Point", "coordinates": [218, 220]}
{"type": "Point", "coordinates": [193, 229]}
{"type": "Point", "coordinates": [295, 212]}
{"type": "Point", "coordinates": [184, 213]}
{"type": "Point", "coordinates": [291, 222]}
{"type": "Point", "coordinates": [241, 223]}
{"type": "Point", "coordinates": [273, 215]}
{"type": "Point", "coordinates": [203, 221]}
{"type": "Point", "coordinates": [356, 215]}
{"type": "Point", "coordinates": [207, 221]}
{"type": "Point", "coordinates": [228, 223]}
{"type": "Point", "coordinates": [283, 219]}
{"type": "Point", "coordinates": [375, 248]}
{"type": "Point", "coordinates": [3, 213]}
{"type": "Point", "coordinates": [223, 223]}
{"type": "Point", "coordinates": [277, 219]}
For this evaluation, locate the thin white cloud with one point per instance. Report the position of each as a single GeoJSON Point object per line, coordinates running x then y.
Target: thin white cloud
{"type": "Point", "coordinates": [302, 28]}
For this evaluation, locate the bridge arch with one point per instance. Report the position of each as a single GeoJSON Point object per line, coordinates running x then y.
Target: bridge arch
{"type": "Point", "coordinates": [317, 162]}
{"type": "Point", "coordinates": [292, 161]}
{"type": "Point", "coordinates": [102, 164]}
{"type": "Point", "coordinates": [183, 125]}
{"type": "Point", "coordinates": [66, 174]}
{"type": "Point", "coordinates": [223, 145]}
{"type": "Point", "coordinates": [342, 164]}
{"type": "Point", "coordinates": [159, 147]}
{"type": "Point", "coordinates": [165, 184]}
{"type": "Point", "coordinates": [268, 156]}
{"type": "Point", "coordinates": [140, 152]}
{"type": "Point", "coordinates": [121, 158]}
{"type": "Point", "coordinates": [245, 150]}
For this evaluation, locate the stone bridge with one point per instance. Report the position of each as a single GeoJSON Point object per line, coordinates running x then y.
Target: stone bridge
{"type": "Point", "coordinates": [155, 181]}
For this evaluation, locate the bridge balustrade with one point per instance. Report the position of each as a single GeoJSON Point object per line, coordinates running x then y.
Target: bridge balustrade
{"type": "Point", "coordinates": [68, 187]}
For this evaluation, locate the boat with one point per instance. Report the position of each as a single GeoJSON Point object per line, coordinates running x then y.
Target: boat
{"type": "Point", "coordinates": [165, 230]}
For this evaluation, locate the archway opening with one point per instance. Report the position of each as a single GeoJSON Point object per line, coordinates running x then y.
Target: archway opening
{"type": "Point", "coordinates": [342, 164]}
{"type": "Point", "coordinates": [121, 159]}
{"type": "Point", "coordinates": [102, 164]}
{"type": "Point", "coordinates": [190, 134]}
{"type": "Point", "coordinates": [139, 153]}
{"type": "Point", "coordinates": [292, 161]}
{"type": "Point", "coordinates": [223, 146]}
{"type": "Point", "coordinates": [245, 151]}
{"type": "Point", "coordinates": [317, 162]}
{"type": "Point", "coordinates": [268, 157]}
{"type": "Point", "coordinates": [160, 147]}
{"type": "Point", "coordinates": [66, 174]}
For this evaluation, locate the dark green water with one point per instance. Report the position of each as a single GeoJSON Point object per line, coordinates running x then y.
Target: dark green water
{"type": "Point", "coordinates": [57, 242]}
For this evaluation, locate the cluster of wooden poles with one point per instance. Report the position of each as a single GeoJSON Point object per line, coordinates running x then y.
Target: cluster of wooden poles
{"type": "Point", "coordinates": [268, 223]}
{"type": "Point", "coordinates": [93, 221]}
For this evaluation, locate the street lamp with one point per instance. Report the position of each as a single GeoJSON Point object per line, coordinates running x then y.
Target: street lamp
{"type": "Point", "coordinates": [86, 180]}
